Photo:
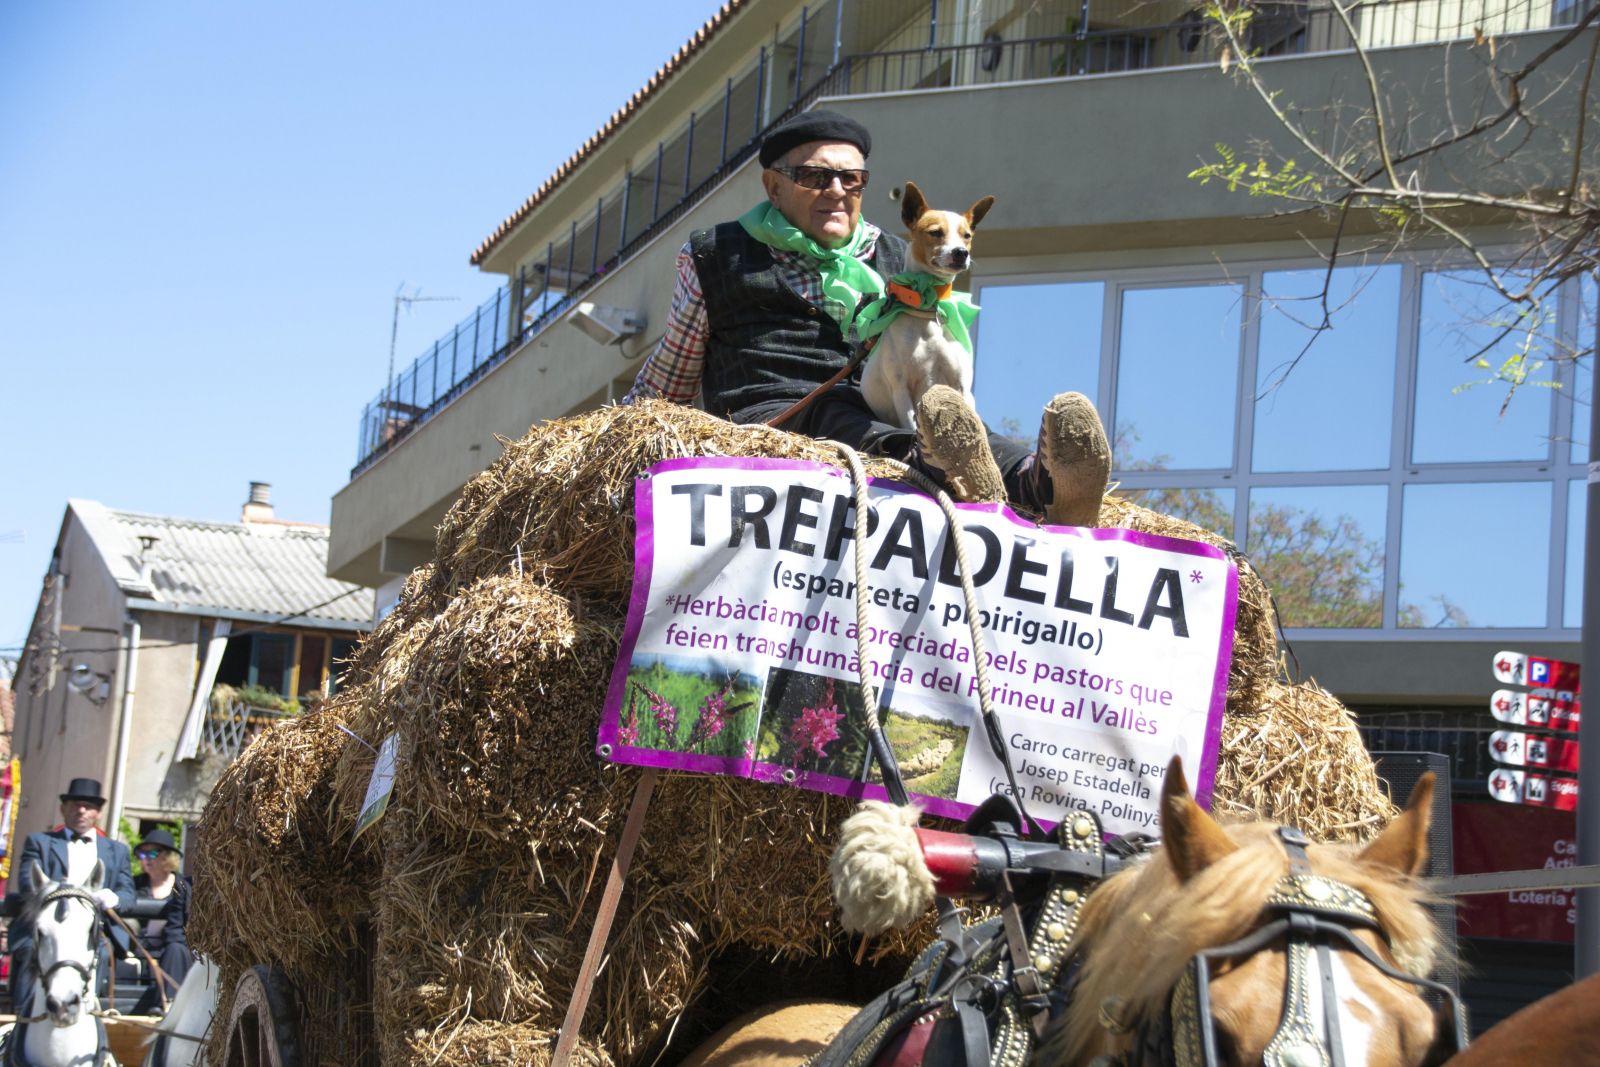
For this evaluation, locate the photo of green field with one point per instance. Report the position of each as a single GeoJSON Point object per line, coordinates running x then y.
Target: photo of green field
{"type": "Point", "coordinates": [929, 749]}
{"type": "Point", "coordinates": [690, 705]}
{"type": "Point", "coordinates": [812, 723]}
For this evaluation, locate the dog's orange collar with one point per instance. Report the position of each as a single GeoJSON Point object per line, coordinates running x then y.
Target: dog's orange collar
{"type": "Point", "coordinates": [913, 299]}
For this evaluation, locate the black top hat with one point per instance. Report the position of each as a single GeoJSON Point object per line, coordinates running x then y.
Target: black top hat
{"type": "Point", "coordinates": [84, 789]}
{"type": "Point", "coordinates": [162, 838]}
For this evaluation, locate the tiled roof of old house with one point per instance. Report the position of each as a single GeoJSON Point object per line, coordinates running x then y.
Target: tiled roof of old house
{"type": "Point", "coordinates": [622, 115]}
{"type": "Point", "coordinates": [266, 568]}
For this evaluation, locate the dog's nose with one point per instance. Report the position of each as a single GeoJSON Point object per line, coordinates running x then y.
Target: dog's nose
{"type": "Point", "coordinates": [959, 255]}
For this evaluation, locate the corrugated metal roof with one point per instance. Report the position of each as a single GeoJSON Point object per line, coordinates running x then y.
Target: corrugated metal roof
{"type": "Point", "coordinates": [620, 117]}
{"type": "Point", "coordinates": [272, 568]}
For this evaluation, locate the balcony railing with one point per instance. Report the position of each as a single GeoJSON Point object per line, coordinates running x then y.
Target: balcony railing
{"type": "Point", "coordinates": [232, 725]}
{"type": "Point", "coordinates": [884, 46]}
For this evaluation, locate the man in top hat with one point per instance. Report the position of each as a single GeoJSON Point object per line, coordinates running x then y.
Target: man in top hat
{"type": "Point", "coordinates": [763, 312]}
{"type": "Point", "coordinates": [68, 853]}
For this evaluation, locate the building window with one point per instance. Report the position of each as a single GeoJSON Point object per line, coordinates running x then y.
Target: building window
{"type": "Point", "coordinates": [1572, 594]}
{"type": "Point", "coordinates": [1372, 476]}
{"type": "Point", "coordinates": [1464, 339]}
{"type": "Point", "coordinates": [1038, 340]}
{"type": "Point", "coordinates": [294, 666]}
{"type": "Point", "coordinates": [1325, 398]}
{"type": "Point", "coordinates": [1475, 555]}
{"type": "Point", "coordinates": [1178, 377]}
{"type": "Point", "coordinates": [343, 649]}
{"type": "Point", "coordinates": [1321, 549]}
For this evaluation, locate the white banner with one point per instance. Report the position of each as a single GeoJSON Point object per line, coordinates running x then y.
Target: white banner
{"type": "Point", "coordinates": [1107, 650]}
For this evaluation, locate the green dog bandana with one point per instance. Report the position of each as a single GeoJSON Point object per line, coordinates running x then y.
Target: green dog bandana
{"type": "Point", "coordinates": [920, 291]}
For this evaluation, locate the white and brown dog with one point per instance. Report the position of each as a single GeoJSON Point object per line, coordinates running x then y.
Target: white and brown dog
{"type": "Point", "coordinates": [915, 351]}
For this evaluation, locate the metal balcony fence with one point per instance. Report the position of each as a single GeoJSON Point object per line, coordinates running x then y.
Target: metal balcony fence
{"type": "Point", "coordinates": [231, 726]}
{"type": "Point", "coordinates": [853, 47]}
{"type": "Point", "coordinates": [1462, 736]}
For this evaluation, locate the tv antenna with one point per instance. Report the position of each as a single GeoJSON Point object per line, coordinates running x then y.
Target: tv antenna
{"type": "Point", "coordinates": [402, 299]}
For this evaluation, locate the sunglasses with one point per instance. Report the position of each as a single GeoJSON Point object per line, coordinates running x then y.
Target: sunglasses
{"type": "Point", "coordinates": [148, 853]}
{"type": "Point", "coordinates": [851, 181]}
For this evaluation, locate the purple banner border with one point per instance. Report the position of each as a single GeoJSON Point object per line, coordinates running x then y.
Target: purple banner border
{"type": "Point", "coordinates": [608, 745]}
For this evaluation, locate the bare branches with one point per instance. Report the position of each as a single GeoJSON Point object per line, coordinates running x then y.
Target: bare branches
{"type": "Point", "coordinates": [1503, 149]}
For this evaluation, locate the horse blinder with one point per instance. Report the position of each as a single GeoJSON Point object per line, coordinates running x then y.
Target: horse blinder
{"type": "Point", "coordinates": [1313, 913]}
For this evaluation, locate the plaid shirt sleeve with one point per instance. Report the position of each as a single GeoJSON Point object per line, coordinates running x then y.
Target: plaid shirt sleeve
{"type": "Point", "coordinates": [673, 370]}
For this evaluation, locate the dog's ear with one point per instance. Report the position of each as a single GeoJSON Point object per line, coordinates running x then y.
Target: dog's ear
{"type": "Point", "coordinates": [977, 211]}
{"type": "Point", "coordinates": [912, 205]}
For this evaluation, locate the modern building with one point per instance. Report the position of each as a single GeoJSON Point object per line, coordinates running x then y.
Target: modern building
{"type": "Point", "coordinates": [161, 645]}
{"type": "Point", "coordinates": [1411, 527]}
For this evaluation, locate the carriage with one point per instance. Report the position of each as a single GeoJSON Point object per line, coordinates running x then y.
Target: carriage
{"type": "Point", "coordinates": [456, 928]}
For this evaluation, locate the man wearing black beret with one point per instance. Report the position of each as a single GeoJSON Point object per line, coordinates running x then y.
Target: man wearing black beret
{"type": "Point", "coordinates": [763, 313]}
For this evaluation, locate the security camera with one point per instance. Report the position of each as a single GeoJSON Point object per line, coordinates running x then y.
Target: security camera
{"type": "Point", "coordinates": [607, 325]}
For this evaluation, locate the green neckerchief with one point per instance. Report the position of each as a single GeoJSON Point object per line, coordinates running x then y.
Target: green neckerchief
{"type": "Point", "coordinates": [845, 279]}
{"type": "Point", "coordinates": [954, 312]}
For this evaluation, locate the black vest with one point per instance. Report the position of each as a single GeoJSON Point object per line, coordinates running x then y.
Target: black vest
{"type": "Point", "coordinates": [768, 346]}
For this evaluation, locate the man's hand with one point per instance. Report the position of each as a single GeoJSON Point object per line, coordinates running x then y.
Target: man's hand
{"type": "Point", "coordinates": [106, 898]}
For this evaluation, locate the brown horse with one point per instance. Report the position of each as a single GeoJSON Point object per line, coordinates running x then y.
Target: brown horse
{"type": "Point", "coordinates": [1207, 886]}
{"type": "Point", "coordinates": [1562, 1028]}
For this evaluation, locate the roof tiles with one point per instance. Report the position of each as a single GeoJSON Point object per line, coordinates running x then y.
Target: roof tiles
{"type": "Point", "coordinates": [261, 568]}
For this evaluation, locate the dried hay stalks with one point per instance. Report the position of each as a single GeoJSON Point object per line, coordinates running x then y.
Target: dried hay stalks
{"type": "Point", "coordinates": [493, 669]}
{"type": "Point", "coordinates": [1296, 758]}
{"type": "Point", "coordinates": [558, 504]}
{"type": "Point", "coordinates": [505, 824]}
{"type": "Point", "coordinates": [277, 880]}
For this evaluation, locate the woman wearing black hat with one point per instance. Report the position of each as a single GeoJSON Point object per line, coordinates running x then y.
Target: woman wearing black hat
{"type": "Point", "coordinates": [163, 937]}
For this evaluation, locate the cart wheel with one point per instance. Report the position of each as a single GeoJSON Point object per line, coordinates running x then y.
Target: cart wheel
{"type": "Point", "coordinates": [261, 1028]}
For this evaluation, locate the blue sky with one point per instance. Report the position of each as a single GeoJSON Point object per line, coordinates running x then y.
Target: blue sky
{"type": "Point", "coordinates": [205, 213]}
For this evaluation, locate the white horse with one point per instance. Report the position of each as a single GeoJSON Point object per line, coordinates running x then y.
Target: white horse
{"type": "Point", "coordinates": [60, 1029]}
{"type": "Point", "coordinates": [187, 1020]}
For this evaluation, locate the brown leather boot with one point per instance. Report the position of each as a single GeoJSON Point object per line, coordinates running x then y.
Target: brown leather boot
{"type": "Point", "coordinates": [954, 440]}
{"type": "Point", "coordinates": [1074, 449]}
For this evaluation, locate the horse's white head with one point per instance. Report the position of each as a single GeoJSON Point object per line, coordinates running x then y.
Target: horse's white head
{"type": "Point", "coordinates": [66, 936]}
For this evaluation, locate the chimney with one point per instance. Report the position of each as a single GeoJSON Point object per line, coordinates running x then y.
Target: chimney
{"type": "Point", "coordinates": [259, 507]}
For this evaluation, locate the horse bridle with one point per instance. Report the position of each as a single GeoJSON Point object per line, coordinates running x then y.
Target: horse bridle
{"type": "Point", "coordinates": [1312, 914]}
{"type": "Point", "coordinates": [82, 896]}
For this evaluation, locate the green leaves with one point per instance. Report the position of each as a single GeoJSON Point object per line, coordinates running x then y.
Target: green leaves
{"type": "Point", "coordinates": [1258, 179]}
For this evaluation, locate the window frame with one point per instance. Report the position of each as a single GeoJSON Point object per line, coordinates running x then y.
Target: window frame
{"type": "Point", "coordinates": [1556, 470]}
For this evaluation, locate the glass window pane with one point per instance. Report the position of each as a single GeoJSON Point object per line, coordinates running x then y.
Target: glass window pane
{"type": "Point", "coordinates": [1178, 378]}
{"type": "Point", "coordinates": [1475, 555]}
{"type": "Point", "coordinates": [1034, 341]}
{"type": "Point", "coordinates": [1210, 508]}
{"type": "Point", "coordinates": [1583, 376]}
{"type": "Point", "coordinates": [1572, 604]}
{"type": "Point", "coordinates": [1466, 334]}
{"type": "Point", "coordinates": [1329, 407]}
{"type": "Point", "coordinates": [1321, 549]}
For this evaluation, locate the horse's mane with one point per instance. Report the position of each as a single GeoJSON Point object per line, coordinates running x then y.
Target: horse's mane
{"type": "Point", "coordinates": [1139, 929]}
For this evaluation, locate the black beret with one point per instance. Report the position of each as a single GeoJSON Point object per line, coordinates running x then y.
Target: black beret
{"type": "Point", "coordinates": [814, 126]}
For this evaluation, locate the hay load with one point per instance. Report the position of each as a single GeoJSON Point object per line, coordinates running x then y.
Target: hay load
{"type": "Point", "coordinates": [482, 881]}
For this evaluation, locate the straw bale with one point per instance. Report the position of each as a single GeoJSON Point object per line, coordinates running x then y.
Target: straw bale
{"type": "Point", "coordinates": [475, 928]}
{"type": "Point", "coordinates": [493, 670]}
{"type": "Point", "coordinates": [276, 882]}
{"type": "Point", "coordinates": [1296, 757]}
{"type": "Point", "coordinates": [558, 503]}
{"type": "Point", "coordinates": [501, 705]}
